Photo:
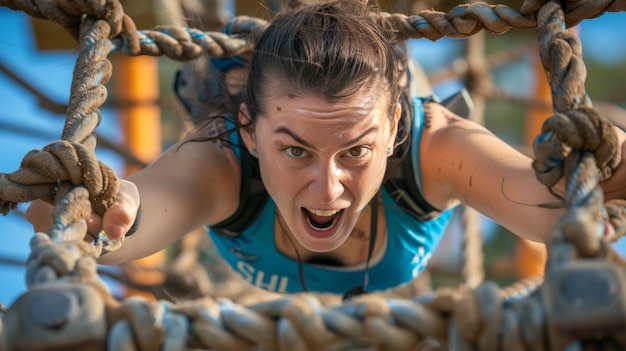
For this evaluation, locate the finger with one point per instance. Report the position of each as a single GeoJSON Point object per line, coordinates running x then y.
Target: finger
{"type": "Point", "coordinates": [94, 224]}
{"type": "Point", "coordinates": [39, 214]}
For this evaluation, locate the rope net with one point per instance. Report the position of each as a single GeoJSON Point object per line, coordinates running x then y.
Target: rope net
{"type": "Point", "coordinates": [582, 298]}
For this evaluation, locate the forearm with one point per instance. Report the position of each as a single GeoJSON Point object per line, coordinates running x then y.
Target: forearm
{"type": "Point", "coordinates": [165, 217]}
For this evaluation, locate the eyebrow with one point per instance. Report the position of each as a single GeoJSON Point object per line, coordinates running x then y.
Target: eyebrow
{"type": "Point", "coordinates": [285, 130]}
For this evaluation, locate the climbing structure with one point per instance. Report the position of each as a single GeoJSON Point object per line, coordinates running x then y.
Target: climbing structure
{"type": "Point", "coordinates": [581, 302]}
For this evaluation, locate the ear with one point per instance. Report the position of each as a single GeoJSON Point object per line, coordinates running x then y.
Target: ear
{"type": "Point", "coordinates": [393, 128]}
{"type": "Point", "coordinates": [247, 129]}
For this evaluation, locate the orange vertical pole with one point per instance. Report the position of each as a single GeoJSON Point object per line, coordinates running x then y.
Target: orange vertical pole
{"type": "Point", "coordinates": [137, 89]}
{"type": "Point", "coordinates": [538, 113]}
{"type": "Point", "coordinates": [530, 256]}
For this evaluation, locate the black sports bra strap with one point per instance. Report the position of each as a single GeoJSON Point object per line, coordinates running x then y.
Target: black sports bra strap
{"type": "Point", "coordinates": [252, 199]}
{"type": "Point", "coordinates": [370, 250]}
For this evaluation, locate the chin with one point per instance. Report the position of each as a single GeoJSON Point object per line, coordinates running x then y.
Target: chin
{"type": "Point", "coordinates": [322, 245]}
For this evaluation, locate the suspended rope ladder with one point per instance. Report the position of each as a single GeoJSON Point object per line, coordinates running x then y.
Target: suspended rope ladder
{"type": "Point", "coordinates": [581, 301]}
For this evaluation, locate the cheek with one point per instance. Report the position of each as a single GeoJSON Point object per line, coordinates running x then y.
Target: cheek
{"type": "Point", "coordinates": [279, 182]}
{"type": "Point", "coordinates": [367, 181]}
{"type": "Point", "coordinates": [376, 175]}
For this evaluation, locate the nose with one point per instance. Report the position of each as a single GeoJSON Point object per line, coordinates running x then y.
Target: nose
{"type": "Point", "coordinates": [328, 185]}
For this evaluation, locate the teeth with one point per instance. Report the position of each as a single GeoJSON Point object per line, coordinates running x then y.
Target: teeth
{"type": "Point", "coordinates": [323, 213]}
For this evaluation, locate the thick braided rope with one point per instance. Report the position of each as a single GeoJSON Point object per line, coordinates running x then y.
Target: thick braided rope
{"type": "Point", "coordinates": [576, 124]}
{"type": "Point", "coordinates": [48, 174]}
{"type": "Point", "coordinates": [575, 130]}
{"type": "Point", "coordinates": [476, 313]}
{"type": "Point", "coordinates": [576, 10]}
{"type": "Point", "coordinates": [68, 13]}
{"type": "Point", "coordinates": [92, 71]}
{"type": "Point", "coordinates": [83, 115]}
{"type": "Point", "coordinates": [467, 19]}
{"type": "Point", "coordinates": [183, 44]}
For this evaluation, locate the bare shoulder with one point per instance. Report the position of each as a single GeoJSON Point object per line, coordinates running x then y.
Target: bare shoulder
{"type": "Point", "coordinates": [463, 162]}
{"type": "Point", "coordinates": [439, 120]}
{"type": "Point", "coordinates": [452, 148]}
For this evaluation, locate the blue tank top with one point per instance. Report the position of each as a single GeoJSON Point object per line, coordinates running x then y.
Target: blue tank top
{"type": "Point", "coordinates": [410, 243]}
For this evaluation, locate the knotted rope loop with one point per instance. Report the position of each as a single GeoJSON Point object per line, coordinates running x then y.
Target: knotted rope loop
{"type": "Point", "coordinates": [62, 255]}
{"type": "Point", "coordinates": [576, 10]}
{"type": "Point", "coordinates": [582, 129]}
{"type": "Point", "coordinates": [576, 125]}
{"type": "Point", "coordinates": [50, 173]}
{"type": "Point", "coordinates": [52, 261]}
{"type": "Point", "coordinates": [581, 231]}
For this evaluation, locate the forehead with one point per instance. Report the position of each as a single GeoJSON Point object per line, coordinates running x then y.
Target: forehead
{"type": "Point", "coordinates": [319, 124]}
{"type": "Point", "coordinates": [280, 98]}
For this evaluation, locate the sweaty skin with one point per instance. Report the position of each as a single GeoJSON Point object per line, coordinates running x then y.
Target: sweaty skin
{"type": "Point", "coordinates": [197, 183]}
{"type": "Point", "coordinates": [322, 162]}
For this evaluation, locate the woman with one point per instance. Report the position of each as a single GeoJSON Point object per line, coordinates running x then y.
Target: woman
{"type": "Point", "coordinates": [315, 162]}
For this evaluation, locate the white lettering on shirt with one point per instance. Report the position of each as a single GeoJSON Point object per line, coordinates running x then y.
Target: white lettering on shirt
{"type": "Point", "coordinates": [273, 282]}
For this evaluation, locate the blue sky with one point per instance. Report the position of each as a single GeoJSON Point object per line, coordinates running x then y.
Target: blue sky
{"type": "Point", "coordinates": [51, 72]}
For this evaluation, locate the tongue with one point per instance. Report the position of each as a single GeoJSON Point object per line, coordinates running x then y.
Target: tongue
{"type": "Point", "coordinates": [320, 222]}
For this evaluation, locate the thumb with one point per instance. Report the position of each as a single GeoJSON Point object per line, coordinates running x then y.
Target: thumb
{"type": "Point", "coordinates": [123, 213]}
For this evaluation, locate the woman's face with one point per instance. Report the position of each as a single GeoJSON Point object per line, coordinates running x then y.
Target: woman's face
{"type": "Point", "coordinates": [322, 162]}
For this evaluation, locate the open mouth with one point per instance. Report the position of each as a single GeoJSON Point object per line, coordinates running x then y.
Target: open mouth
{"type": "Point", "coordinates": [321, 220]}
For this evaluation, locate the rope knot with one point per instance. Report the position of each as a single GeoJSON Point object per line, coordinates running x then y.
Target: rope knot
{"type": "Point", "coordinates": [581, 129]}
{"type": "Point", "coordinates": [575, 10]}
{"type": "Point", "coordinates": [83, 168]}
{"type": "Point", "coordinates": [50, 173]}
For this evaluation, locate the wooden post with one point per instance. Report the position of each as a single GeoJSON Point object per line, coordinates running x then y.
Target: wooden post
{"type": "Point", "coordinates": [137, 91]}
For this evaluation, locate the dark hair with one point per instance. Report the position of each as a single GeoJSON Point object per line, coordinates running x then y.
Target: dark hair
{"type": "Point", "coordinates": [333, 49]}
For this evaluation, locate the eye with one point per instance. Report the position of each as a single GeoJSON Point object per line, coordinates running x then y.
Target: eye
{"type": "Point", "coordinates": [357, 152]}
{"type": "Point", "coordinates": [295, 152]}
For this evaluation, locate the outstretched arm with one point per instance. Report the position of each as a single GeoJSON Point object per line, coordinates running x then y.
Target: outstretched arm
{"type": "Point", "coordinates": [186, 187]}
{"type": "Point", "coordinates": [464, 162]}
